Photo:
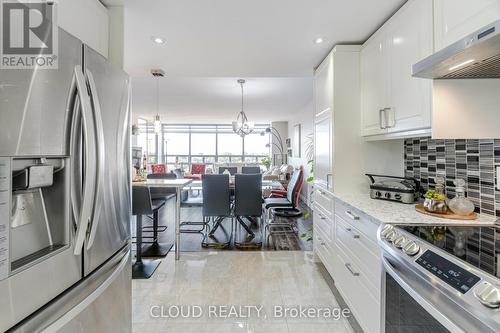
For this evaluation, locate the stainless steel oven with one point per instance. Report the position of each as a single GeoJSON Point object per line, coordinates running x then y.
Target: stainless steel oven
{"type": "Point", "coordinates": [431, 282]}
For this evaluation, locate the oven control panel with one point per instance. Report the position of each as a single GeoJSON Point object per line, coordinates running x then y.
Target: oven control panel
{"type": "Point", "coordinates": [4, 216]}
{"type": "Point", "coordinates": [455, 276]}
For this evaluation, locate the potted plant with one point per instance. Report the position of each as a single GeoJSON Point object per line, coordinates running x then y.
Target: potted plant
{"type": "Point", "coordinates": [310, 180]}
{"type": "Point", "coordinates": [266, 161]}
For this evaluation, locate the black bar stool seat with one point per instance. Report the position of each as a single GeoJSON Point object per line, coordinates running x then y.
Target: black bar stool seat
{"type": "Point", "coordinates": [142, 205]}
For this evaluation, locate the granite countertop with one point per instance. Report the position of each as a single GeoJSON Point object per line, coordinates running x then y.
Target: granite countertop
{"type": "Point", "coordinates": [397, 213]}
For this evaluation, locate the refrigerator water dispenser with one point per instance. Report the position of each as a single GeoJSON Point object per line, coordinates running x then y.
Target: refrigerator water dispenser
{"type": "Point", "coordinates": [39, 224]}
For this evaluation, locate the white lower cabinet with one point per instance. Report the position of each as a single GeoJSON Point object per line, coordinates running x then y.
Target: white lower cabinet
{"type": "Point", "coordinates": [347, 246]}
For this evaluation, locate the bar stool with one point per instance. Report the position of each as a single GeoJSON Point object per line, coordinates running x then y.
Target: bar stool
{"type": "Point", "coordinates": [158, 195]}
{"type": "Point", "coordinates": [142, 205]}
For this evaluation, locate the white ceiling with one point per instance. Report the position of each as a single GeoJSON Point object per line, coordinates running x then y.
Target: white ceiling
{"type": "Point", "coordinates": [211, 43]}
{"type": "Point", "coordinates": [229, 38]}
{"type": "Point", "coordinates": [218, 100]}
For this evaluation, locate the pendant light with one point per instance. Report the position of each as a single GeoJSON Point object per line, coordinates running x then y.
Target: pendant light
{"type": "Point", "coordinates": [157, 122]}
{"type": "Point", "coordinates": [242, 126]}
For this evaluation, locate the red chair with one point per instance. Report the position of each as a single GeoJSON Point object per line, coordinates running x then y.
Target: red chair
{"type": "Point", "coordinates": [290, 197]}
{"type": "Point", "coordinates": [158, 168]}
{"type": "Point", "coordinates": [289, 201]}
{"type": "Point", "coordinates": [197, 170]}
{"type": "Point", "coordinates": [296, 194]}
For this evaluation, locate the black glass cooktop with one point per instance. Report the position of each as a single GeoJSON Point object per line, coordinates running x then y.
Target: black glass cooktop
{"type": "Point", "coordinates": [478, 246]}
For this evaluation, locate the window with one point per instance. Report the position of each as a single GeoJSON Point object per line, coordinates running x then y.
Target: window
{"type": "Point", "coordinates": [180, 145]}
{"type": "Point", "coordinates": [176, 143]}
{"type": "Point", "coordinates": [229, 144]}
{"type": "Point", "coordinates": [255, 144]}
{"type": "Point", "coordinates": [203, 143]}
{"type": "Point", "coordinates": [147, 141]}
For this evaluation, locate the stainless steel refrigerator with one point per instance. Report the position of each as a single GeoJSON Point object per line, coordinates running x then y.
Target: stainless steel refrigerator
{"type": "Point", "coordinates": [65, 195]}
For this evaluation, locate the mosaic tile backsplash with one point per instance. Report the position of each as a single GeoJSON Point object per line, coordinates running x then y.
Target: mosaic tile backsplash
{"type": "Point", "coordinates": [472, 160]}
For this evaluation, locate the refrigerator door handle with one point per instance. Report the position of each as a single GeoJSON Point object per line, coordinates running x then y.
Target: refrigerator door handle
{"type": "Point", "coordinates": [75, 150]}
{"type": "Point", "coordinates": [89, 169]}
{"type": "Point", "coordinates": [96, 106]}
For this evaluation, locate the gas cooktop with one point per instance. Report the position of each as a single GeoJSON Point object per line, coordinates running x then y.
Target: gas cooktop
{"type": "Point", "coordinates": [478, 246]}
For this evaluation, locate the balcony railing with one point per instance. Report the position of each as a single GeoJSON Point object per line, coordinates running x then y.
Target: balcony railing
{"type": "Point", "coordinates": [185, 161]}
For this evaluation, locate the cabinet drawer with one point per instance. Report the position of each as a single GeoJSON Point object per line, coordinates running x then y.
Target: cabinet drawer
{"type": "Point", "coordinates": [358, 219]}
{"type": "Point", "coordinates": [350, 282]}
{"type": "Point", "coordinates": [321, 220]}
{"type": "Point", "coordinates": [356, 245]}
{"type": "Point", "coordinates": [323, 249]}
{"type": "Point", "coordinates": [324, 201]}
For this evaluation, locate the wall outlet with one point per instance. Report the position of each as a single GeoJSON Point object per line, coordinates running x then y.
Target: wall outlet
{"type": "Point", "coordinates": [498, 177]}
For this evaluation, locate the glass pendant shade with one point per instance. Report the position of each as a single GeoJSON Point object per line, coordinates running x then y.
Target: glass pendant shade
{"type": "Point", "coordinates": [242, 126]}
{"type": "Point", "coordinates": [157, 124]}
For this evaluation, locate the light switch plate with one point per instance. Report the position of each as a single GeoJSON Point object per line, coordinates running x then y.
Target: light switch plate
{"type": "Point", "coordinates": [498, 177]}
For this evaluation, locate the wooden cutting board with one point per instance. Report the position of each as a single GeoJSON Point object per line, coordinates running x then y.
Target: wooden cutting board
{"type": "Point", "coordinates": [448, 215]}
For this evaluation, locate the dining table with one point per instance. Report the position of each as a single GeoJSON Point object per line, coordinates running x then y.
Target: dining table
{"type": "Point", "coordinates": [183, 183]}
{"type": "Point", "coordinates": [177, 185]}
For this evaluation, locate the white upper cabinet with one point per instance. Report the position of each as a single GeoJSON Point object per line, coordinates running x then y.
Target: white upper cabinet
{"type": "Point", "coordinates": [323, 87]}
{"type": "Point", "coordinates": [391, 99]}
{"type": "Point", "coordinates": [323, 94]}
{"type": "Point", "coordinates": [87, 20]}
{"type": "Point", "coordinates": [455, 19]}
{"type": "Point", "coordinates": [374, 85]}
{"type": "Point", "coordinates": [410, 40]}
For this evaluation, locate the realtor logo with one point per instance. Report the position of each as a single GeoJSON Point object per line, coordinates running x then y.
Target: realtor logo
{"type": "Point", "coordinates": [28, 34]}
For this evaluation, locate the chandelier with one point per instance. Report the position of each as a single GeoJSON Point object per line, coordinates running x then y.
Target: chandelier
{"type": "Point", "coordinates": [242, 126]}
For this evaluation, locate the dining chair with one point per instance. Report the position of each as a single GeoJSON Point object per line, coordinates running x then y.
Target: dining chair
{"type": "Point", "coordinates": [216, 202]}
{"type": "Point", "coordinates": [158, 168]}
{"type": "Point", "coordinates": [247, 199]}
{"type": "Point", "coordinates": [290, 201]}
{"type": "Point", "coordinates": [232, 170]}
{"type": "Point", "coordinates": [250, 170]}
{"type": "Point", "coordinates": [143, 205]}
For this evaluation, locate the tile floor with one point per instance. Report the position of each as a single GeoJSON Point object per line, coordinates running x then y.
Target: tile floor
{"type": "Point", "coordinates": [287, 278]}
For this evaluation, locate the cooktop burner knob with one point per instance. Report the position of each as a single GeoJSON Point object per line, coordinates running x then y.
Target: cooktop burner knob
{"type": "Point", "coordinates": [399, 242]}
{"type": "Point", "coordinates": [411, 248]}
{"type": "Point", "coordinates": [378, 194]}
{"type": "Point", "coordinates": [488, 294]}
{"type": "Point", "coordinates": [388, 195]}
{"type": "Point", "coordinates": [391, 236]}
{"type": "Point", "coordinates": [397, 196]}
{"type": "Point", "coordinates": [385, 229]}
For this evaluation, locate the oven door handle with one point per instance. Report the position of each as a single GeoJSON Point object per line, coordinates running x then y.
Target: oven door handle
{"type": "Point", "coordinates": [413, 290]}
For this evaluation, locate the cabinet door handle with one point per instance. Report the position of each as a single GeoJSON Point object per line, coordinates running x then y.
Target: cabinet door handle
{"type": "Point", "coordinates": [355, 236]}
{"type": "Point", "coordinates": [351, 215]}
{"type": "Point", "coordinates": [349, 268]}
{"type": "Point", "coordinates": [380, 118]}
{"type": "Point", "coordinates": [393, 118]}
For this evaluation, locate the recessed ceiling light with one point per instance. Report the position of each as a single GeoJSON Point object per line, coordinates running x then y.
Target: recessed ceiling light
{"type": "Point", "coordinates": [319, 40]}
{"type": "Point", "coordinates": [158, 40]}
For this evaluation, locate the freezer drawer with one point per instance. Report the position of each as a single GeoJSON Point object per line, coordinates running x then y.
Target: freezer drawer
{"type": "Point", "coordinates": [100, 303]}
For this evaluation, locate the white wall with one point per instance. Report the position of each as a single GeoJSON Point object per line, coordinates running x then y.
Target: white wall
{"type": "Point", "coordinates": [466, 109]}
{"type": "Point", "coordinates": [87, 20]}
{"type": "Point", "coordinates": [116, 34]}
{"type": "Point", "coordinates": [304, 117]}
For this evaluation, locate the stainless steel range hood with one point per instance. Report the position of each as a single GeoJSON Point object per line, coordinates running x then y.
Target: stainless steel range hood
{"type": "Point", "coordinates": [476, 56]}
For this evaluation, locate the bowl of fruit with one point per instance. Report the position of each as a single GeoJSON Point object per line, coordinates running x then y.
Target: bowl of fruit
{"type": "Point", "coordinates": [435, 202]}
